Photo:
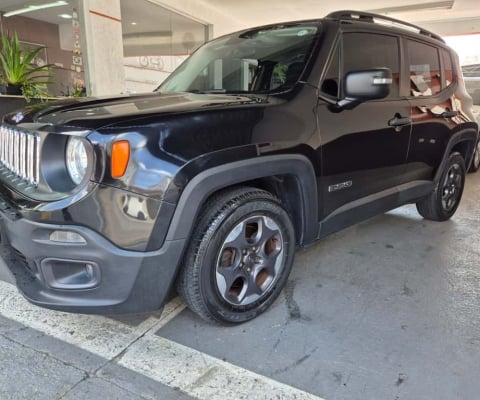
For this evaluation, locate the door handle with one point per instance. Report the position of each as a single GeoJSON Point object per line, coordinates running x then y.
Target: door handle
{"type": "Point", "coordinates": [449, 114]}
{"type": "Point", "coordinates": [398, 120]}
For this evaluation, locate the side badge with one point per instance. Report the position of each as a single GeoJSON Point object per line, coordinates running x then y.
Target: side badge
{"type": "Point", "coordinates": [340, 186]}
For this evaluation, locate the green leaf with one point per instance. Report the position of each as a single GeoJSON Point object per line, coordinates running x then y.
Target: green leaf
{"type": "Point", "coordinates": [17, 68]}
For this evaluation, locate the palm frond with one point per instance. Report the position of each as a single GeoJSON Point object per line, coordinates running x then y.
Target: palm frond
{"type": "Point", "coordinates": [17, 65]}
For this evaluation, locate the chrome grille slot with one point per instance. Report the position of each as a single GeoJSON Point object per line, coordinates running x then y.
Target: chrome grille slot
{"type": "Point", "coordinates": [20, 154]}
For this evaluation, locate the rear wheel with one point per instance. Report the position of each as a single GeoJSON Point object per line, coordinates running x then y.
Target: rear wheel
{"type": "Point", "coordinates": [239, 258]}
{"type": "Point", "coordinates": [442, 203]}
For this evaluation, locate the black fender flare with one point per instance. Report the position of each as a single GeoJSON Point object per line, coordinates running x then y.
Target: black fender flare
{"type": "Point", "coordinates": [203, 185]}
{"type": "Point", "coordinates": [465, 135]}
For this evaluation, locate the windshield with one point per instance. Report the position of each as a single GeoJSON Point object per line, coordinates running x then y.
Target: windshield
{"type": "Point", "coordinates": [263, 60]}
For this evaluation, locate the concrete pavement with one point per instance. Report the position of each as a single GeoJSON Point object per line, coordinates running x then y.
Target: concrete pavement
{"type": "Point", "coordinates": [387, 309]}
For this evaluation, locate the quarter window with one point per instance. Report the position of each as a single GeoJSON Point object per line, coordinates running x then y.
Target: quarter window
{"type": "Point", "coordinates": [424, 68]}
{"type": "Point", "coordinates": [330, 84]}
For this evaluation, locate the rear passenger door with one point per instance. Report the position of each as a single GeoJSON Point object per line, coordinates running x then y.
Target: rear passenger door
{"type": "Point", "coordinates": [434, 117]}
{"type": "Point", "coordinates": [363, 150]}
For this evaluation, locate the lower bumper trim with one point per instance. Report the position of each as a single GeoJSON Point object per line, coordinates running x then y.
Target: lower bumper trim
{"type": "Point", "coordinates": [127, 281]}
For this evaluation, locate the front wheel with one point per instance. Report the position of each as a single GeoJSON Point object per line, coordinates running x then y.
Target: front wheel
{"type": "Point", "coordinates": [442, 203]}
{"type": "Point", "coordinates": [239, 258]}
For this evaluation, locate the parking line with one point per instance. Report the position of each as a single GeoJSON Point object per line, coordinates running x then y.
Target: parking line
{"type": "Point", "coordinates": [140, 350]}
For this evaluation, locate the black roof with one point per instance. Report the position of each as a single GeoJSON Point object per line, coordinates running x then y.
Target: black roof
{"type": "Point", "coordinates": [361, 16]}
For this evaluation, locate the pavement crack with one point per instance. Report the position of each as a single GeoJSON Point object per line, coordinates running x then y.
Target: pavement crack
{"type": "Point", "coordinates": [164, 319]}
{"type": "Point", "coordinates": [292, 306]}
{"type": "Point", "coordinates": [44, 353]}
{"type": "Point", "coordinates": [202, 379]}
{"type": "Point", "coordinates": [296, 363]}
{"type": "Point", "coordinates": [116, 359]}
{"type": "Point", "coordinates": [86, 375]}
{"type": "Point", "coordinates": [133, 394]}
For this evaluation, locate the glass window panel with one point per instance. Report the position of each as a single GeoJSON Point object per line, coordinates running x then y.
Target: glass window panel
{"type": "Point", "coordinates": [368, 50]}
{"type": "Point", "coordinates": [424, 69]}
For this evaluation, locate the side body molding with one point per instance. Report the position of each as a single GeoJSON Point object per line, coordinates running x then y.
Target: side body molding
{"type": "Point", "coordinates": [211, 180]}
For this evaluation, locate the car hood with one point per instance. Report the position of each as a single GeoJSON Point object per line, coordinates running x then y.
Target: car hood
{"type": "Point", "coordinates": [95, 113]}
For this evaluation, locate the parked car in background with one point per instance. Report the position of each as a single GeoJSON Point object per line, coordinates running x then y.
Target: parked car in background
{"type": "Point", "coordinates": [471, 75]}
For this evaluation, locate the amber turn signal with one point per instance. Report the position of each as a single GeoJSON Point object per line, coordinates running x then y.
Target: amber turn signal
{"type": "Point", "coordinates": [120, 157]}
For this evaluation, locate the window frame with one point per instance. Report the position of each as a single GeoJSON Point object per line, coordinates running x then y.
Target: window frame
{"type": "Point", "coordinates": [438, 48]}
{"type": "Point", "coordinates": [337, 50]}
{"type": "Point", "coordinates": [446, 52]}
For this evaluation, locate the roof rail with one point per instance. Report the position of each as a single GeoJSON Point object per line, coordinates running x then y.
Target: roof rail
{"type": "Point", "coordinates": [363, 16]}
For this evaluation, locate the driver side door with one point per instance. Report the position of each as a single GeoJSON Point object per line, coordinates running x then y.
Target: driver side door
{"type": "Point", "coordinates": [363, 150]}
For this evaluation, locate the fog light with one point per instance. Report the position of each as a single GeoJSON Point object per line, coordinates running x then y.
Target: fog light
{"type": "Point", "coordinates": [66, 237]}
{"type": "Point", "coordinates": [89, 271]}
{"type": "Point", "coordinates": [70, 274]}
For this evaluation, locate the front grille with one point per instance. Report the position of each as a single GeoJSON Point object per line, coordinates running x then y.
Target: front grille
{"type": "Point", "coordinates": [20, 153]}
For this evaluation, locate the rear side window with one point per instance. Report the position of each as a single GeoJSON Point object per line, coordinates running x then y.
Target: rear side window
{"type": "Point", "coordinates": [424, 69]}
{"type": "Point", "coordinates": [369, 50]}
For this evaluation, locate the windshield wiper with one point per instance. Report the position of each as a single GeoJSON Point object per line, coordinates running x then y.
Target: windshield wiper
{"type": "Point", "coordinates": [220, 91]}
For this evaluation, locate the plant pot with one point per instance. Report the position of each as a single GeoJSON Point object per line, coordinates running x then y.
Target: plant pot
{"type": "Point", "coordinates": [3, 89]}
{"type": "Point", "coordinates": [14, 89]}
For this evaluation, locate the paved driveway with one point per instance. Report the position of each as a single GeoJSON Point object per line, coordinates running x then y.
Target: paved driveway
{"type": "Point", "coordinates": [387, 309]}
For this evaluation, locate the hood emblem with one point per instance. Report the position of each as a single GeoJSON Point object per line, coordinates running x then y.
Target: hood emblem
{"type": "Point", "coordinates": [18, 117]}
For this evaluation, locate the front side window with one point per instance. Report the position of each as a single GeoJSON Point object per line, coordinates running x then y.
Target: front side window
{"type": "Point", "coordinates": [259, 61]}
{"type": "Point", "coordinates": [424, 67]}
{"type": "Point", "coordinates": [368, 50]}
{"type": "Point", "coordinates": [360, 51]}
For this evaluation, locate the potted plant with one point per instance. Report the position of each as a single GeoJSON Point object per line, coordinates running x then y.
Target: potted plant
{"type": "Point", "coordinates": [19, 74]}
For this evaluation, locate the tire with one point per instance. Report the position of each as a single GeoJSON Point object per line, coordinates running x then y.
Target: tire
{"type": "Point", "coordinates": [476, 159]}
{"type": "Point", "coordinates": [442, 203]}
{"type": "Point", "coordinates": [239, 258]}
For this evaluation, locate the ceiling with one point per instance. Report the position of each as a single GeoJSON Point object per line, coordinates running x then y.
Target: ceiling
{"type": "Point", "coordinates": [146, 27]}
{"type": "Point", "coordinates": [255, 11]}
{"type": "Point", "coordinates": [48, 15]}
{"type": "Point", "coordinates": [447, 16]}
{"type": "Point", "coordinates": [144, 23]}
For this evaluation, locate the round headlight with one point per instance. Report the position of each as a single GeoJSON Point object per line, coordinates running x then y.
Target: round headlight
{"type": "Point", "coordinates": [76, 159]}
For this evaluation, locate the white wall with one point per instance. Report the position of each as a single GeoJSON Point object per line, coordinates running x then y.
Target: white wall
{"type": "Point", "coordinates": [103, 38]}
{"type": "Point", "coordinates": [144, 74]}
{"type": "Point", "coordinates": [223, 20]}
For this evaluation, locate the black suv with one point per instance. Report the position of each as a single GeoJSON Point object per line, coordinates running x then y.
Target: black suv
{"type": "Point", "coordinates": [263, 141]}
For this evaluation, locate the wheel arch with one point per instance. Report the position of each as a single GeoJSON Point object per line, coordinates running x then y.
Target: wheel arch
{"type": "Point", "coordinates": [290, 177]}
{"type": "Point", "coordinates": [463, 142]}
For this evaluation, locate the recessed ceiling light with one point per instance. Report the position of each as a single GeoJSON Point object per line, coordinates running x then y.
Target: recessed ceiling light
{"type": "Point", "coordinates": [65, 16]}
{"type": "Point", "coordinates": [133, 23]}
{"type": "Point", "coordinates": [35, 8]}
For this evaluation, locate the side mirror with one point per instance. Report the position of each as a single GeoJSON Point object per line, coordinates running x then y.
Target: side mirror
{"type": "Point", "coordinates": [369, 84]}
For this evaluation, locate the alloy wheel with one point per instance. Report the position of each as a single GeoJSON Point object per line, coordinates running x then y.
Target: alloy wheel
{"type": "Point", "coordinates": [250, 260]}
{"type": "Point", "coordinates": [452, 187]}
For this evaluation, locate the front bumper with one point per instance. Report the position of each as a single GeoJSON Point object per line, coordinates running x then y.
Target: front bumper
{"type": "Point", "coordinates": [123, 281]}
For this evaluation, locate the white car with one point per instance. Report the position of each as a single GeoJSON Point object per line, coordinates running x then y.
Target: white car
{"type": "Point", "coordinates": [471, 75]}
